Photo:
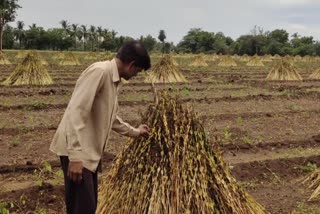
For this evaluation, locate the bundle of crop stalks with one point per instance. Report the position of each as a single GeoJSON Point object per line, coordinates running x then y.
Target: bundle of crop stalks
{"type": "Point", "coordinates": [267, 58]}
{"type": "Point", "coordinates": [41, 58]}
{"type": "Point", "coordinates": [227, 61]}
{"type": "Point", "coordinates": [164, 71]}
{"type": "Point", "coordinates": [29, 72]}
{"type": "Point", "coordinates": [21, 55]}
{"type": "Point", "coordinates": [175, 170]}
{"type": "Point", "coordinates": [307, 58]}
{"type": "Point", "coordinates": [107, 56]}
{"type": "Point", "coordinates": [235, 57]}
{"type": "Point", "coordinates": [255, 61]}
{"type": "Point", "coordinates": [297, 58]}
{"type": "Point", "coordinates": [289, 59]}
{"type": "Point", "coordinates": [91, 56]}
{"type": "Point", "coordinates": [213, 57]}
{"type": "Point", "coordinates": [313, 179]}
{"type": "Point", "coordinates": [70, 59]}
{"type": "Point", "coordinates": [3, 59]}
{"type": "Point", "coordinates": [277, 56]}
{"type": "Point", "coordinates": [59, 56]}
{"type": "Point", "coordinates": [244, 58]}
{"type": "Point", "coordinates": [283, 70]}
{"type": "Point", "coordinates": [315, 75]}
{"type": "Point", "coordinates": [199, 61]}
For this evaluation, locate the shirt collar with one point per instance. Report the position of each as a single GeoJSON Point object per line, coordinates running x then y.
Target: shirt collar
{"type": "Point", "coordinates": [115, 72]}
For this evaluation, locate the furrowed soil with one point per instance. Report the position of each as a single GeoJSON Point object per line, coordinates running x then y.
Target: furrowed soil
{"type": "Point", "coordinates": [269, 131]}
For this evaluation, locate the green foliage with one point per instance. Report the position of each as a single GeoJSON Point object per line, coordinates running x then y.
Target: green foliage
{"type": "Point", "coordinates": [80, 37]}
{"type": "Point", "coordinates": [226, 135]}
{"type": "Point", "coordinates": [7, 14]}
{"type": "Point", "coordinates": [310, 167]}
{"type": "Point", "coordinates": [197, 41]}
{"type": "Point", "coordinates": [162, 36]}
{"type": "Point", "coordinates": [8, 37]}
{"type": "Point", "coordinates": [246, 140]}
{"type": "Point", "coordinates": [8, 11]}
{"type": "Point", "coordinates": [15, 141]}
{"type": "Point", "coordinates": [5, 207]}
{"type": "Point", "coordinates": [149, 42]}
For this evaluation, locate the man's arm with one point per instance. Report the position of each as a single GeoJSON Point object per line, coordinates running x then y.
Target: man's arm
{"type": "Point", "coordinates": [126, 129]}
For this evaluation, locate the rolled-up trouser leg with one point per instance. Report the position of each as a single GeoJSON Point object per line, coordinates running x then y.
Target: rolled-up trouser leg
{"type": "Point", "coordinates": [80, 198]}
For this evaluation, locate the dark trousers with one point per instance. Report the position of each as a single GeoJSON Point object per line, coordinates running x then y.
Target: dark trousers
{"type": "Point", "coordinates": [80, 198]}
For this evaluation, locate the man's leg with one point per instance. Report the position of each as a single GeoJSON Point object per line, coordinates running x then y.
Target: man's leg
{"type": "Point", "coordinates": [80, 198]}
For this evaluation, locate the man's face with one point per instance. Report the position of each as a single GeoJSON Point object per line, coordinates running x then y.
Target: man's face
{"type": "Point", "coordinates": [131, 71]}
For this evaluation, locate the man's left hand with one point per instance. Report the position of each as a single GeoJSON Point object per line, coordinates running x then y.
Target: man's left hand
{"type": "Point", "coordinates": [144, 130]}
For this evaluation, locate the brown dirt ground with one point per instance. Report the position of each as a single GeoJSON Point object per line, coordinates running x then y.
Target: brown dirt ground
{"type": "Point", "coordinates": [269, 132]}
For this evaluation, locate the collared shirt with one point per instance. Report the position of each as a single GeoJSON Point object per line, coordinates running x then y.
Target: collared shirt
{"type": "Point", "coordinates": [91, 114]}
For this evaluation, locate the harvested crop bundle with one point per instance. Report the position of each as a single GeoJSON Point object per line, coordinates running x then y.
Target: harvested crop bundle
{"type": "Point", "coordinates": [164, 71]}
{"type": "Point", "coordinates": [176, 170]}
{"type": "Point", "coordinates": [70, 59]}
{"type": "Point", "coordinates": [227, 61]}
{"type": "Point", "coordinates": [283, 70]}
{"type": "Point", "coordinates": [315, 75]}
{"type": "Point", "coordinates": [314, 183]}
{"type": "Point", "coordinates": [244, 58]}
{"type": "Point", "coordinates": [255, 61]}
{"type": "Point", "coordinates": [29, 72]}
{"type": "Point", "coordinates": [199, 61]}
{"type": "Point", "coordinates": [3, 59]}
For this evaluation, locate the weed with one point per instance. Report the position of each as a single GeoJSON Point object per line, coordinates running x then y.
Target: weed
{"type": "Point", "coordinates": [227, 135]}
{"type": "Point", "coordinates": [246, 140]}
{"type": "Point", "coordinates": [310, 167]}
{"type": "Point", "coordinates": [5, 207]}
{"type": "Point", "coordinates": [15, 141]}
{"type": "Point", "coordinates": [239, 121]}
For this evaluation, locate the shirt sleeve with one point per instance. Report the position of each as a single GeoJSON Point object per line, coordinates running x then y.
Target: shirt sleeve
{"type": "Point", "coordinates": [124, 128]}
{"type": "Point", "coordinates": [79, 108]}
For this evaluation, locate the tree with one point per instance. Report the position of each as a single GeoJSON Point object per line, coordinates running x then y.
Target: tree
{"type": "Point", "coordinates": [148, 42]}
{"type": "Point", "coordinates": [162, 37]}
{"type": "Point", "coordinates": [92, 35]}
{"type": "Point", "coordinates": [281, 36]}
{"type": "Point", "coordinates": [99, 35]}
{"type": "Point", "coordinates": [73, 33]}
{"type": "Point", "coordinates": [8, 37]}
{"type": "Point", "coordinates": [7, 14]}
{"type": "Point", "coordinates": [65, 25]}
{"type": "Point", "coordinates": [85, 35]}
{"type": "Point", "coordinates": [19, 32]}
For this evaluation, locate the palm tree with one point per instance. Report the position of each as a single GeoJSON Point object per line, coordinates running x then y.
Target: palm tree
{"type": "Point", "coordinates": [100, 34]}
{"type": "Point", "coordinates": [85, 35]}
{"type": "Point", "coordinates": [74, 33]}
{"type": "Point", "coordinates": [92, 35]}
{"type": "Point", "coordinates": [65, 25]}
{"type": "Point", "coordinates": [33, 26]}
{"type": "Point", "coordinates": [20, 34]}
{"type": "Point", "coordinates": [79, 34]}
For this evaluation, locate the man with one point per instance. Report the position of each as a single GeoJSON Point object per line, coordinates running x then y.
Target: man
{"type": "Point", "coordinates": [86, 124]}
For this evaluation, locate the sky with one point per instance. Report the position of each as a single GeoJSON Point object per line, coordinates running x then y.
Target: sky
{"type": "Point", "coordinates": [142, 17]}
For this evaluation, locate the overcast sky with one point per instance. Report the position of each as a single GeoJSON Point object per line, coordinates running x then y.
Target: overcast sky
{"type": "Point", "coordinates": [141, 17]}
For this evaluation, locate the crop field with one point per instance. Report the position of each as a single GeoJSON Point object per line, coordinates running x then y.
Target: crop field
{"type": "Point", "coordinates": [269, 130]}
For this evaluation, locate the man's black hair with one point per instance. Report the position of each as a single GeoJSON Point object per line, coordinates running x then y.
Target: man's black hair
{"type": "Point", "coordinates": [134, 51]}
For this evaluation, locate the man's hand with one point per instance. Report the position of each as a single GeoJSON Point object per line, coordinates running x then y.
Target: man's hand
{"type": "Point", "coordinates": [144, 130]}
{"type": "Point", "coordinates": [75, 171]}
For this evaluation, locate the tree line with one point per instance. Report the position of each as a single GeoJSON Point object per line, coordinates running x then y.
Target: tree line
{"type": "Point", "coordinates": [71, 36]}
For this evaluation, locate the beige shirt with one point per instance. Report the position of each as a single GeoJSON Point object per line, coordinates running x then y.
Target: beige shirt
{"type": "Point", "coordinates": [91, 114]}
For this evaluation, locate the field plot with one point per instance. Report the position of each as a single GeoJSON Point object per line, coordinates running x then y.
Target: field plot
{"type": "Point", "coordinates": [269, 131]}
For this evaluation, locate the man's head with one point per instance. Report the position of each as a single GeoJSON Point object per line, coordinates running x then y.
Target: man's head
{"type": "Point", "coordinates": [134, 58]}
